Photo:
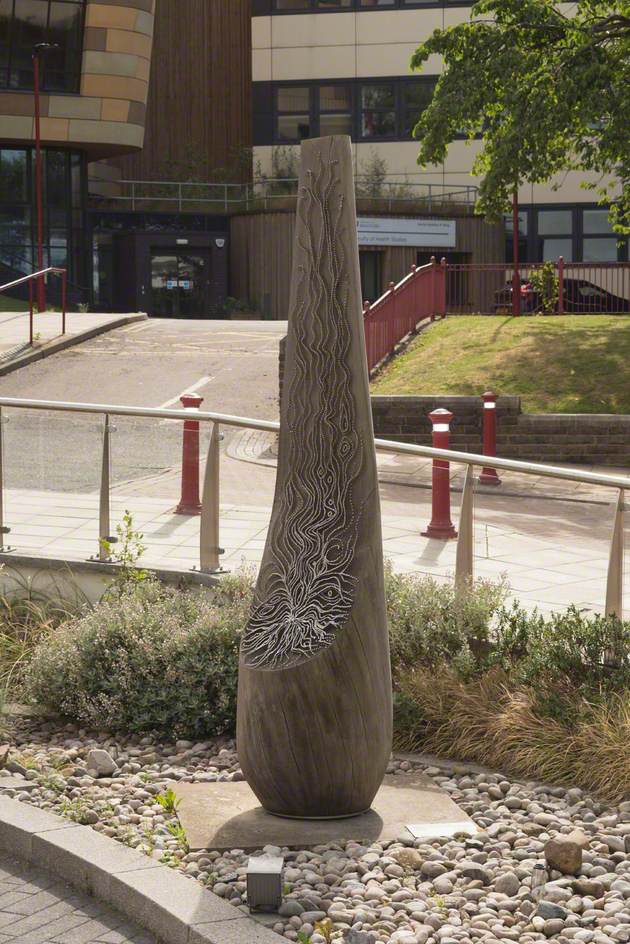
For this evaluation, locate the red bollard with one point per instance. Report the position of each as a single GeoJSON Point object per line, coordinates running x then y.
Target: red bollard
{"type": "Point", "coordinates": [189, 503]}
{"type": "Point", "coordinates": [489, 476]}
{"type": "Point", "coordinates": [441, 525]}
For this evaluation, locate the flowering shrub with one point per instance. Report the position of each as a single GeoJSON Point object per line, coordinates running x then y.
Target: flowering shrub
{"type": "Point", "coordinates": [429, 625]}
{"type": "Point", "coordinates": [153, 659]}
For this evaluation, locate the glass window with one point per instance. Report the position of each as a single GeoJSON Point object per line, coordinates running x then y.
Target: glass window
{"type": "Point", "coordinates": [23, 24]}
{"type": "Point", "coordinates": [523, 254]}
{"type": "Point", "coordinates": [371, 264]}
{"type": "Point", "coordinates": [378, 111]}
{"type": "Point", "coordinates": [335, 109]}
{"type": "Point", "coordinates": [63, 220]}
{"type": "Point", "coordinates": [552, 248]}
{"type": "Point", "coordinates": [599, 249]}
{"type": "Point", "coordinates": [555, 222]}
{"type": "Point", "coordinates": [596, 221]}
{"type": "Point", "coordinates": [292, 4]}
{"type": "Point", "coordinates": [293, 98]}
{"type": "Point", "coordinates": [416, 97]}
{"type": "Point", "coordinates": [293, 127]}
{"type": "Point", "coordinates": [13, 176]}
{"type": "Point", "coordinates": [293, 106]}
{"type": "Point", "coordinates": [333, 4]}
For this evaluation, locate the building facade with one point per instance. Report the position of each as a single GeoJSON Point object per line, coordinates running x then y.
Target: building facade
{"type": "Point", "coordinates": [94, 83]}
{"type": "Point", "coordinates": [342, 66]}
{"type": "Point", "coordinates": [170, 187]}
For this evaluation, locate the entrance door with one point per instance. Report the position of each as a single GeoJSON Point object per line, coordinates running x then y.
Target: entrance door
{"type": "Point", "coordinates": [179, 283]}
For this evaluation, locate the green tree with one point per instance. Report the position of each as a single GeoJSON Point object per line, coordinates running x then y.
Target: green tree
{"type": "Point", "coordinates": [544, 91]}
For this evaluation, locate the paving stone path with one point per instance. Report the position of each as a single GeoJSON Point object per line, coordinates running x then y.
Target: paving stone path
{"type": "Point", "coordinates": [36, 908]}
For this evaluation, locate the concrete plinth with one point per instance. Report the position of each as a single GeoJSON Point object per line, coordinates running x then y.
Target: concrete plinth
{"type": "Point", "coordinates": [228, 816]}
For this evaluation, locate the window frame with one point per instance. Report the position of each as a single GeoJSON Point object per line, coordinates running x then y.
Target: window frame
{"type": "Point", "coordinates": [578, 235]}
{"type": "Point", "coordinates": [355, 86]}
{"type": "Point", "coordinates": [269, 8]}
{"type": "Point", "coordinates": [14, 49]}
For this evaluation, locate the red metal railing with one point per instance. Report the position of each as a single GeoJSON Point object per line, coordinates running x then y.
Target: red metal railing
{"type": "Point", "coordinates": [420, 295]}
{"type": "Point", "coordinates": [29, 279]}
{"type": "Point", "coordinates": [583, 288]}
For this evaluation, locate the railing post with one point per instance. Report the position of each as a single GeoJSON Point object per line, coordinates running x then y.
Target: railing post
{"type": "Point", "coordinates": [390, 324]}
{"type": "Point", "coordinates": [133, 195]}
{"type": "Point", "coordinates": [367, 330]}
{"type": "Point", "coordinates": [442, 286]}
{"type": "Point", "coordinates": [30, 316]}
{"type": "Point", "coordinates": [189, 503]}
{"type": "Point", "coordinates": [3, 530]}
{"type": "Point", "coordinates": [433, 287]}
{"type": "Point", "coordinates": [179, 196]}
{"type": "Point", "coordinates": [516, 278]}
{"type": "Point", "coordinates": [209, 550]}
{"type": "Point", "coordinates": [561, 285]}
{"type": "Point", "coordinates": [464, 558]}
{"type": "Point", "coordinates": [614, 583]}
{"type": "Point", "coordinates": [441, 525]}
{"type": "Point", "coordinates": [104, 522]}
{"type": "Point", "coordinates": [489, 476]}
{"type": "Point", "coordinates": [64, 291]}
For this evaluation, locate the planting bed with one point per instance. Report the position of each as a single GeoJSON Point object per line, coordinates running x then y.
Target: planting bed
{"type": "Point", "coordinates": [458, 890]}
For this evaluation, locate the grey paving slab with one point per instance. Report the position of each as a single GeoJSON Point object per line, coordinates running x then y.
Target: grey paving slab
{"type": "Point", "coordinates": [229, 816]}
{"type": "Point", "coordinates": [46, 911]}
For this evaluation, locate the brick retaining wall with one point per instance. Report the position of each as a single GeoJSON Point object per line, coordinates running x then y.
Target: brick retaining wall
{"type": "Point", "coordinates": [601, 439]}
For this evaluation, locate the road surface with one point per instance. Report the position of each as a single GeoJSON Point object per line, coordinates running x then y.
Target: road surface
{"type": "Point", "coordinates": [233, 365]}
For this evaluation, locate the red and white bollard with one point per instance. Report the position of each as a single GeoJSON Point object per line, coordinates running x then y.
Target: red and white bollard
{"type": "Point", "coordinates": [189, 503]}
{"type": "Point", "coordinates": [488, 475]}
{"type": "Point", "coordinates": [441, 525]}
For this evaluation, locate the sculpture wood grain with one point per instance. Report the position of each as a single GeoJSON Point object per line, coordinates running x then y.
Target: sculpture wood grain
{"type": "Point", "coordinates": [314, 706]}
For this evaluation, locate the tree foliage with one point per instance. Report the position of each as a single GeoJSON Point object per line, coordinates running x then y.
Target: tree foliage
{"type": "Point", "coordinates": [545, 91]}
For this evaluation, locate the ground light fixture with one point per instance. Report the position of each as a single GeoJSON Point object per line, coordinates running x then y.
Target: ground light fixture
{"type": "Point", "coordinates": [264, 882]}
{"type": "Point", "coordinates": [39, 50]}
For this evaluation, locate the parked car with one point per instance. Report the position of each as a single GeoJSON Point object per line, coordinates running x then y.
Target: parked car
{"type": "Point", "coordinates": [580, 297]}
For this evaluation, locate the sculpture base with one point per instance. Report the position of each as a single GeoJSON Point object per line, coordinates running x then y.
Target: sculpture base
{"type": "Point", "coordinates": [228, 816]}
{"type": "Point", "coordinates": [315, 819]}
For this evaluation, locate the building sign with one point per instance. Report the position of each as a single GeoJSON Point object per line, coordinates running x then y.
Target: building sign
{"type": "Point", "coordinates": [393, 231]}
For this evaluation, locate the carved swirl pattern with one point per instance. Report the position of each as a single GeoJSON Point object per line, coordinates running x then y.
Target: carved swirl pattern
{"type": "Point", "coordinates": [306, 587]}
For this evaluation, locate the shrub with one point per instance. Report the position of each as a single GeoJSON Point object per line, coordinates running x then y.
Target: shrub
{"type": "Point", "coordinates": [429, 624]}
{"type": "Point", "coordinates": [153, 659]}
{"type": "Point", "coordinates": [488, 721]}
{"type": "Point", "coordinates": [565, 655]}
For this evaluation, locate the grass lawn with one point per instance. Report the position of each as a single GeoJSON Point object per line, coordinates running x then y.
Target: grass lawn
{"type": "Point", "coordinates": [567, 364]}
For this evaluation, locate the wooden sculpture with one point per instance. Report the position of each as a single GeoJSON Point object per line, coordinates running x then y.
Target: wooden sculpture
{"type": "Point", "coordinates": [314, 702]}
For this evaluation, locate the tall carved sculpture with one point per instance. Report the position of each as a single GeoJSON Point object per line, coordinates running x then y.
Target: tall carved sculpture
{"type": "Point", "coordinates": [314, 707]}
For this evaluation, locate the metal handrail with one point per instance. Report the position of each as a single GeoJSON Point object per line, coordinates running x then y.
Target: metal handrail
{"type": "Point", "coordinates": [239, 194]}
{"type": "Point", "coordinates": [31, 275]}
{"type": "Point", "coordinates": [209, 530]}
{"type": "Point", "coordinates": [273, 426]}
{"type": "Point", "coordinates": [36, 275]}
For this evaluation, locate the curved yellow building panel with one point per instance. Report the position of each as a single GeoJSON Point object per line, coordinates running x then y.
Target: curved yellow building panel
{"type": "Point", "coordinates": [106, 116]}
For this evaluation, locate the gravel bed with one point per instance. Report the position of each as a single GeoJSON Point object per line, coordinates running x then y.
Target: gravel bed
{"type": "Point", "coordinates": [448, 891]}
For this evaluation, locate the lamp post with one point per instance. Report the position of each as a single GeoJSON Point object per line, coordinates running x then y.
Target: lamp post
{"type": "Point", "coordinates": [38, 50]}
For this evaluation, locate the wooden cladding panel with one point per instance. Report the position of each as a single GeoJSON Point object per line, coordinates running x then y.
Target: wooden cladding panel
{"type": "Point", "coordinates": [261, 252]}
{"type": "Point", "coordinates": [199, 115]}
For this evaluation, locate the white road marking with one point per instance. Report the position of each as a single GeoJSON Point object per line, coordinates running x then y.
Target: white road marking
{"type": "Point", "coordinates": [193, 387]}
